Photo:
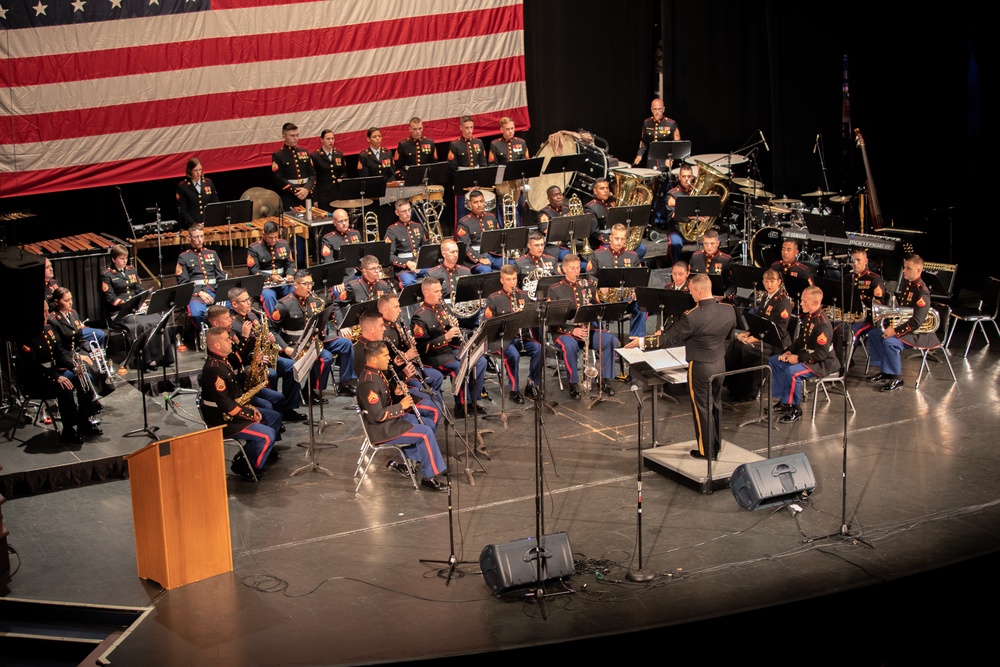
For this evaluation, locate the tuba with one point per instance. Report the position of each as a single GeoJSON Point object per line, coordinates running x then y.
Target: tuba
{"type": "Point", "coordinates": [709, 181]}
{"type": "Point", "coordinates": [888, 316]}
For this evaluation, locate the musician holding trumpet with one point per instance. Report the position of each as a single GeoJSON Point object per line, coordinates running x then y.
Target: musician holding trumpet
{"type": "Point", "coordinates": [885, 346]}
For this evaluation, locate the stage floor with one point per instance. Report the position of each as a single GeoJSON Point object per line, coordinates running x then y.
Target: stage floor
{"type": "Point", "coordinates": [324, 576]}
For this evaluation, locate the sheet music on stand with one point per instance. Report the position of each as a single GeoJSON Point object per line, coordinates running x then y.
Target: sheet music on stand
{"type": "Point", "coordinates": [469, 354]}
{"type": "Point", "coordinates": [668, 363]}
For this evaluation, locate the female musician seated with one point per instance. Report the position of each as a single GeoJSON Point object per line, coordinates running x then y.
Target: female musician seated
{"type": "Point", "coordinates": [119, 283]}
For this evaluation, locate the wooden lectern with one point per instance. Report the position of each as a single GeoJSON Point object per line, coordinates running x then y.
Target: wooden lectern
{"type": "Point", "coordinates": [180, 509]}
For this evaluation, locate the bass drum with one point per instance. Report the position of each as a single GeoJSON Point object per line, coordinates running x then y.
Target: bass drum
{"type": "Point", "coordinates": [580, 183]}
{"type": "Point", "coordinates": [765, 246]}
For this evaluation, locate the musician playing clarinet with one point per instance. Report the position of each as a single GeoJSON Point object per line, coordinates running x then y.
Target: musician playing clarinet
{"type": "Point", "coordinates": [389, 419]}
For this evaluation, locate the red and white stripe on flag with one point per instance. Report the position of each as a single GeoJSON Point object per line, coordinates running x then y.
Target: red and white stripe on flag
{"type": "Point", "coordinates": [100, 98]}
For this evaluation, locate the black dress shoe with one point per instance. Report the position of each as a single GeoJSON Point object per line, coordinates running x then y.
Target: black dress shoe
{"type": "Point", "coordinates": [346, 390]}
{"type": "Point", "coordinates": [780, 407]}
{"type": "Point", "coordinates": [98, 408]}
{"type": "Point", "coordinates": [792, 415]}
{"type": "Point", "coordinates": [292, 416]}
{"type": "Point", "coordinates": [607, 389]}
{"type": "Point", "coordinates": [892, 385]}
{"type": "Point", "coordinates": [273, 456]}
{"type": "Point", "coordinates": [281, 429]}
{"type": "Point", "coordinates": [485, 396]}
{"type": "Point", "coordinates": [574, 391]}
{"type": "Point", "coordinates": [531, 392]}
{"type": "Point", "coordinates": [69, 436]}
{"type": "Point", "coordinates": [89, 430]}
{"type": "Point", "coordinates": [517, 397]}
{"type": "Point", "coordinates": [398, 467]}
{"type": "Point", "coordinates": [319, 400]}
{"type": "Point", "coordinates": [480, 410]}
{"type": "Point", "coordinates": [459, 412]}
{"type": "Point", "coordinates": [695, 453]}
{"type": "Point", "coordinates": [878, 377]}
{"type": "Point", "coordinates": [241, 468]}
{"type": "Point", "coordinates": [433, 484]}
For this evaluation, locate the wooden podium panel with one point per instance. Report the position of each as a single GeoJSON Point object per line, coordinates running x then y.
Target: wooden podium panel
{"type": "Point", "coordinates": [180, 509]}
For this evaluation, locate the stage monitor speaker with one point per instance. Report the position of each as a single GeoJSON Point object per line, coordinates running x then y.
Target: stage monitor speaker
{"type": "Point", "coordinates": [512, 565]}
{"type": "Point", "coordinates": [24, 274]}
{"type": "Point", "coordinates": [771, 482]}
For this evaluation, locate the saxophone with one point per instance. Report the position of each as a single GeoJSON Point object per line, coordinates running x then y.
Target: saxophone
{"type": "Point", "coordinates": [589, 370]}
{"type": "Point", "coordinates": [264, 347]}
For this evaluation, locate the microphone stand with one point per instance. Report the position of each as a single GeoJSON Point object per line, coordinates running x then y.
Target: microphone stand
{"type": "Point", "coordinates": [638, 575]}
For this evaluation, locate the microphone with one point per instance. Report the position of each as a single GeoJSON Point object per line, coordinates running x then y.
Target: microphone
{"type": "Point", "coordinates": [816, 144]}
{"type": "Point", "coordinates": [635, 390]}
{"type": "Point", "coordinates": [764, 140]}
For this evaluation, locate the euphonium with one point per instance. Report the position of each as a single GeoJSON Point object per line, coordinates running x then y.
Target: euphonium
{"type": "Point", "coordinates": [889, 316]}
{"type": "Point", "coordinates": [709, 181]}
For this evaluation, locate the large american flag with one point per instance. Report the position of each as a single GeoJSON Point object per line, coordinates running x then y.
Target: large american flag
{"type": "Point", "coordinates": [100, 92]}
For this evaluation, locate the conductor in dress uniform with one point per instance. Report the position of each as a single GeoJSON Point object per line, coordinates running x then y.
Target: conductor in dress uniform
{"type": "Point", "coordinates": [704, 331]}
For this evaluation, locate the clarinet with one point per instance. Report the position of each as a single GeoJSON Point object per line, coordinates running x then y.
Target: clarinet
{"type": "Point", "coordinates": [411, 344]}
{"type": "Point", "coordinates": [409, 365]}
{"type": "Point", "coordinates": [406, 392]}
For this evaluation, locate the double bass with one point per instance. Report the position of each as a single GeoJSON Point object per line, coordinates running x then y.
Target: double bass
{"type": "Point", "coordinates": [876, 212]}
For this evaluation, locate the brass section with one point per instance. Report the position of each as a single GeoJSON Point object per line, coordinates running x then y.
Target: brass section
{"type": "Point", "coordinates": [888, 316]}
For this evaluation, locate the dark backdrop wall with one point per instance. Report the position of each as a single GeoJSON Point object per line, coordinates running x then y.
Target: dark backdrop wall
{"type": "Point", "coordinates": [916, 82]}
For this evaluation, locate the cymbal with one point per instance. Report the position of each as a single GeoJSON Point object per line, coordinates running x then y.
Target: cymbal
{"type": "Point", "coordinates": [786, 200]}
{"type": "Point", "coordinates": [748, 183]}
{"type": "Point", "coordinates": [717, 159]}
{"type": "Point", "coordinates": [818, 193]}
{"type": "Point", "coordinates": [840, 199]}
{"type": "Point", "coordinates": [350, 203]}
{"type": "Point", "coordinates": [758, 193]}
{"type": "Point", "coordinates": [776, 209]}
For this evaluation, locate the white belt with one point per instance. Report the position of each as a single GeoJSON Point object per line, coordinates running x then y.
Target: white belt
{"type": "Point", "coordinates": [405, 255]}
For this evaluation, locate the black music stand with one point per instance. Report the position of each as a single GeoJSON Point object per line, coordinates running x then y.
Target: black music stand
{"type": "Point", "coordinates": [748, 277]}
{"type": "Point", "coordinates": [351, 253]}
{"type": "Point", "coordinates": [314, 328]}
{"type": "Point", "coordinates": [327, 276]}
{"type": "Point", "coordinates": [623, 278]}
{"type": "Point", "coordinates": [542, 289]}
{"type": "Point", "coordinates": [568, 229]}
{"type": "Point", "coordinates": [411, 295]}
{"type": "Point", "coordinates": [765, 331]}
{"type": "Point", "coordinates": [425, 174]}
{"type": "Point", "coordinates": [137, 351]}
{"type": "Point", "coordinates": [129, 308]}
{"type": "Point", "coordinates": [695, 206]}
{"type": "Point", "coordinates": [234, 212]}
{"type": "Point", "coordinates": [254, 285]}
{"type": "Point", "coordinates": [522, 169]}
{"type": "Point", "coordinates": [566, 165]}
{"type": "Point", "coordinates": [600, 312]}
{"type": "Point", "coordinates": [365, 187]}
{"type": "Point", "coordinates": [497, 332]}
{"type": "Point", "coordinates": [664, 302]}
{"type": "Point", "coordinates": [168, 300]}
{"type": "Point", "coordinates": [429, 255]}
{"type": "Point", "coordinates": [630, 216]}
{"type": "Point", "coordinates": [476, 286]}
{"type": "Point", "coordinates": [356, 310]}
{"type": "Point", "coordinates": [669, 150]}
{"type": "Point", "coordinates": [473, 179]}
{"type": "Point", "coordinates": [830, 228]}
{"type": "Point", "coordinates": [500, 241]}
